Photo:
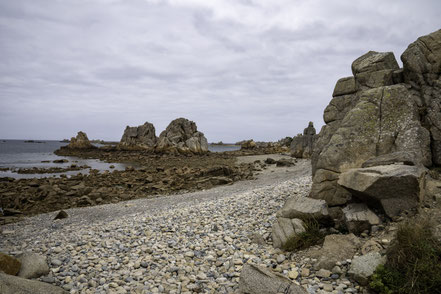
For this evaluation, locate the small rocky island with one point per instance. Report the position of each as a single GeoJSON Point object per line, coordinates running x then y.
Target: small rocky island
{"type": "Point", "coordinates": [333, 212]}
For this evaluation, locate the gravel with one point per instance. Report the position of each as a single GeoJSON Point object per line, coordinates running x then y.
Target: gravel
{"type": "Point", "coordinates": [188, 243]}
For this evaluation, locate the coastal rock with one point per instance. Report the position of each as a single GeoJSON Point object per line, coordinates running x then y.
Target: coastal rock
{"type": "Point", "coordinates": [141, 137]}
{"type": "Point", "coordinates": [377, 124]}
{"type": "Point", "coordinates": [393, 188]}
{"type": "Point", "coordinates": [16, 285]}
{"type": "Point", "coordinates": [304, 207]}
{"type": "Point", "coordinates": [303, 145]}
{"type": "Point", "coordinates": [285, 228]}
{"type": "Point", "coordinates": [248, 144]}
{"type": "Point", "coordinates": [362, 267]}
{"type": "Point", "coordinates": [337, 248]}
{"type": "Point", "coordinates": [80, 142]}
{"type": "Point", "coordinates": [181, 135]}
{"type": "Point", "coordinates": [32, 265]}
{"type": "Point", "coordinates": [358, 218]}
{"type": "Point", "coordinates": [61, 214]}
{"type": "Point", "coordinates": [422, 70]}
{"type": "Point", "coordinates": [9, 264]}
{"type": "Point", "coordinates": [259, 280]}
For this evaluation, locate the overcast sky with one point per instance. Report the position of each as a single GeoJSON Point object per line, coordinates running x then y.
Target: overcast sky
{"type": "Point", "coordinates": [238, 68]}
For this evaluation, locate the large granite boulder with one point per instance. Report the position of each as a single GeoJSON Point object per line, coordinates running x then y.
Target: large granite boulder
{"type": "Point", "coordinates": [80, 142]}
{"type": "Point", "coordinates": [140, 137]}
{"type": "Point", "coordinates": [33, 265]}
{"type": "Point", "coordinates": [363, 267]}
{"type": "Point", "coordinates": [181, 135]}
{"type": "Point", "coordinates": [259, 280]}
{"type": "Point", "coordinates": [393, 188]}
{"type": "Point", "coordinates": [303, 145]}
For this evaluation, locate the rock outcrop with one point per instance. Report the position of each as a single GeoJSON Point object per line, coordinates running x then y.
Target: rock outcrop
{"type": "Point", "coordinates": [182, 136]}
{"type": "Point", "coordinates": [138, 138]}
{"type": "Point", "coordinates": [248, 144]}
{"type": "Point", "coordinates": [80, 142]}
{"type": "Point", "coordinates": [380, 117]}
{"type": "Point", "coordinates": [303, 145]}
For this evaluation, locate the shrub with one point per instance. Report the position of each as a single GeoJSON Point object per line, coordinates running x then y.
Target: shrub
{"type": "Point", "coordinates": [413, 263]}
{"type": "Point", "coordinates": [310, 237]}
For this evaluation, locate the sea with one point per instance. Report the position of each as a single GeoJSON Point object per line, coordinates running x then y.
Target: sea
{"type": "Point", "coordinates": [22, 154]}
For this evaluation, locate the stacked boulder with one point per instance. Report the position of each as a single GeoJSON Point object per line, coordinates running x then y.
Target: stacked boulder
{"type": "Point", "coordinates": [382, 133]}
{"type": "Point", "coordinates": [138, 138]}
{"type": "Point", "coordinates": [303, 145]}
{"type": "Point", "coordinates": [182, 136]}
{"type": "Point", "coordinates": [80, 142]}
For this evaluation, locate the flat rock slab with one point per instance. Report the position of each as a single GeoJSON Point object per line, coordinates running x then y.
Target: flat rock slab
{"type": "Point", "coordinates": [337, 248]}
{"type": "Point", "coordinates": [363, 267]}
{"type": "Point", "coordinates": [394, 188]}
{"type": "Point", "coordinates": [304, 207]}
{"type": "Point", "coordinates": [16, 285]}
{"type": "Point", "coordinates": [259, 280]}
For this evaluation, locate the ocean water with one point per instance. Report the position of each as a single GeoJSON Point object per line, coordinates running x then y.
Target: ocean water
{"type": "Point", "coordinates": [16, 154]}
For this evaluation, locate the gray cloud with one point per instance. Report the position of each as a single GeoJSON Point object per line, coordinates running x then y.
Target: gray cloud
{"type": "Point", "coordinates": [240, 69]}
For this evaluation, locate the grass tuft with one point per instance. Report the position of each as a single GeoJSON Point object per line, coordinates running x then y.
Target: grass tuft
{"type": "Point", "coordinates": [310, 237]}
{"type": "Point", "coordinates": [413, 262]}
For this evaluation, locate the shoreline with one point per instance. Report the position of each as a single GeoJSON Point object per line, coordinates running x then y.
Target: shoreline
{"type": "Point", "coordinates": [181, 242]}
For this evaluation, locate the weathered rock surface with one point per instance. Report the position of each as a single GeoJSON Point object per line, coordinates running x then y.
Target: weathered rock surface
{"type": "Point", "coordinates": [16, 285]}
{"type": "Point", "coordinates": [181, 135]}
{"type": "Point", "coordinates": [363, 267]}
{"type": "Point", "coordinates": [393, 188]}
{"type": "Point", "coordinates": [337, 248]}
{"type": "Point", "coordinates": [80, 142]}
{"type": "Point", "coordinates": [303, 207]}
{"type": "Point", "coordinates": [248, 144]}
{"type": "Point", "coordinates": [421, 70]}
{"type": "Point", "coordinates": [303, 145]}
{"type": "Point", "coordinates": [259, 280]}
{"type": "Point", "coordinates": [380, 116]}
{"type": "Point", "coordinates": [141, 137]}
{"type": "Point", "coordinates": [32, 265]}
{"type": "Point", "coordinates": [9, 264]}
{"type": "Point", "coordinates": [285, 228]}
{"type": "Point", "coordinates": [358, 218]}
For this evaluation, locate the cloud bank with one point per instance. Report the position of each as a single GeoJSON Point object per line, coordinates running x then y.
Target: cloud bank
{"type": "Point", "coordinates": [239, 68]}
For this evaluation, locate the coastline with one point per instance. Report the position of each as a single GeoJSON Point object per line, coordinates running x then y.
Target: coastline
{"type": "Point", "coordinates": [133, 245]}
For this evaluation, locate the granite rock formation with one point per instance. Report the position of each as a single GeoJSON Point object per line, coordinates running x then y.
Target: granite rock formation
{"type": "Point", "coordinates": [182, 136]}
{"type": "Point", "coordinates": [138, 138]}
{"type": "Point", "coordinates": [381, 115]}
{"type": "Point", "coordinates": [80, 142]}
{"type": "Point", "coordinates": [303, 145]}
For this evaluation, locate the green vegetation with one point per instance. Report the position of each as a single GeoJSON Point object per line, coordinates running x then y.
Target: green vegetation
{"type": "Point", "coordinates": [310, 237]}
{"type": "Point", "coordinates": [413, 263]}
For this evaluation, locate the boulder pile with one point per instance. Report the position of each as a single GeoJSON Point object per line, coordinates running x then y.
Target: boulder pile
{"type": "Point", "coordinates": [382, 134]}
{"type": "Point", "coordinates": [382, 130]}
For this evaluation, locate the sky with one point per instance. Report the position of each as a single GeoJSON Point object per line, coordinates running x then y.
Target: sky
{"type": "Point", "coordinates": [240, 69]}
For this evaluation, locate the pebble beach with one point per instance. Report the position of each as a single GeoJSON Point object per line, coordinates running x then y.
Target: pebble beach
{"type": "Point", "coordinates": [187, 243]}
